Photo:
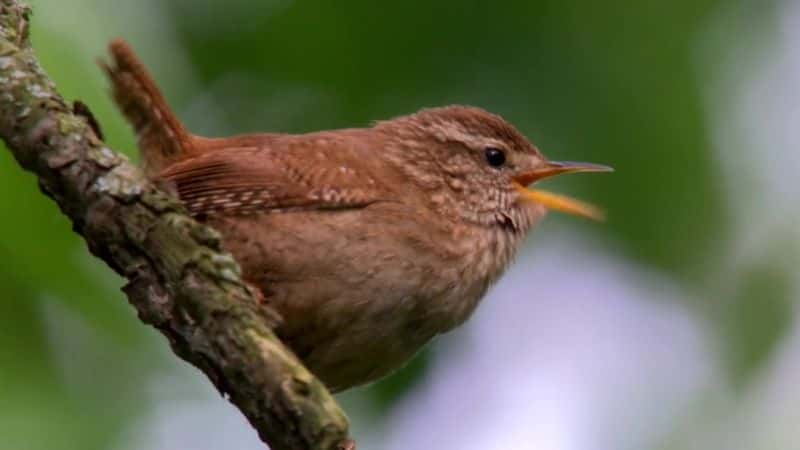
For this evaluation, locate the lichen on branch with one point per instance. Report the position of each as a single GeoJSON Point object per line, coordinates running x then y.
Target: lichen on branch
{"type": "Point", "coordinates": [179, 278]}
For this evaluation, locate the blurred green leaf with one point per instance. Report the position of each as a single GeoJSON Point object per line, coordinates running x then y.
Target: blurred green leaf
{"type": "Point", "coordinates": [758, 316]}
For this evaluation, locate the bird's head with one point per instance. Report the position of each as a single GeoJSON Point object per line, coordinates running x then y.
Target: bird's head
{"type": "Point", "coordinates": [475, 165]}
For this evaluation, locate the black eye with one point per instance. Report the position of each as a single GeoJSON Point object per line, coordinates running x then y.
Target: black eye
{"type": "Point", "coordinates": [495, 157]}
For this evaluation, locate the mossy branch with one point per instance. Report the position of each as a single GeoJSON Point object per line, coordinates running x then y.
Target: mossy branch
{"type": "Point", "coordinates": [179, 279]}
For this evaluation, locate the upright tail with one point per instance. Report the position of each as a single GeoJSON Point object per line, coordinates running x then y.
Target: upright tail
{"type": "Point", "coordinates": [161, 136]}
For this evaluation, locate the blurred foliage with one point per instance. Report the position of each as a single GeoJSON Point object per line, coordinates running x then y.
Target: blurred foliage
{"type": "Point", "coordinates": [611, 82]}
{"type": "Point", "coordinates": [758, 315]}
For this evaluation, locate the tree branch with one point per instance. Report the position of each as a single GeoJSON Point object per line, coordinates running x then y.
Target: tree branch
{"type": "Point", "coordinates": [180, 280]}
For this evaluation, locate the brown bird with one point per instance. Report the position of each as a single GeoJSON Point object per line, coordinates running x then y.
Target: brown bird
{"type": "Point", "coordinates": [368, 241]}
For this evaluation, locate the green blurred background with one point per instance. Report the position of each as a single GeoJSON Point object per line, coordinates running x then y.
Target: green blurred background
{"type": "Point", "coordinates": [679, 96]}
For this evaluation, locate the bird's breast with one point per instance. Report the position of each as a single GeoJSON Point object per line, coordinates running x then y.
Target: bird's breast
{"type": "Point", "coordinates": [483, 255]}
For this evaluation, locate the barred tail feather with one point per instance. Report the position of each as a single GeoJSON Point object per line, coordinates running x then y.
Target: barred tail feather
{"type": "Point", "coordinates": [161, 136]}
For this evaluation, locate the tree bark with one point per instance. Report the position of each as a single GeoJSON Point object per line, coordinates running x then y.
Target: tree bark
{"type": "Point", "coordinates": [179, 278]}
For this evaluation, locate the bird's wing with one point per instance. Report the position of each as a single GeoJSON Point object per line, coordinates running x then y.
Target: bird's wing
{"type": "Point", "coordinates": [257, 179]}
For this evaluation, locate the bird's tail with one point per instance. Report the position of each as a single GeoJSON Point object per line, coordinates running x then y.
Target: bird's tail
{"type": "Point", "coordinates": [161, 136]}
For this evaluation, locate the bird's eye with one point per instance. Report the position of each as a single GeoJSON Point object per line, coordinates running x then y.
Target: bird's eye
{"type": "Point", "coordinates": [495, 157]}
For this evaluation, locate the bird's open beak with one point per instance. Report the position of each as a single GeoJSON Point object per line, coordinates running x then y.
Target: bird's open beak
{"type": "Point", "coordinates": [554, 201]}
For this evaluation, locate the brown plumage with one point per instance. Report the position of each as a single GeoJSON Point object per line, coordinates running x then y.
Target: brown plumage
{"type": "Point", "coordinates": [370, 241]}
{"type": "Point", "coordinates": [162, 138]}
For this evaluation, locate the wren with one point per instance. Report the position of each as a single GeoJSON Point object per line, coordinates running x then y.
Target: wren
{"type": "Point", "coordinates": [368, 241]}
